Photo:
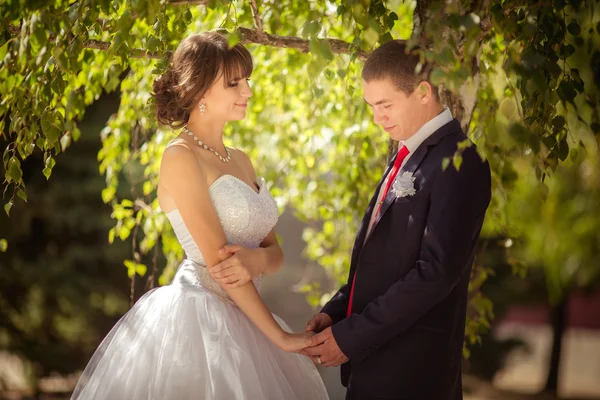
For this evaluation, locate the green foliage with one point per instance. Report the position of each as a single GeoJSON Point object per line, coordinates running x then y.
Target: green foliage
{"type": "Point", "coordinates": [565, 240]}
{"type": "Point", "coordinates": [522, 78]}
{"type": "Point", "coordinates": [61, 287]}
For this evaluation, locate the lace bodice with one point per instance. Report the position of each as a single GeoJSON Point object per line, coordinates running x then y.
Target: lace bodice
{"type": "Point", "coordinates": [246, 216]}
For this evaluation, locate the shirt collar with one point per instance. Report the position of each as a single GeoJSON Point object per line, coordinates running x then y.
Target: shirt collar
{"type": "Point", "coordinates": [413, 142]}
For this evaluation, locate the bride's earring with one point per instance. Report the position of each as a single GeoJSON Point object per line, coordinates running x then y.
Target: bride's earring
{"type": "Point", "coordinates": [202, 107]}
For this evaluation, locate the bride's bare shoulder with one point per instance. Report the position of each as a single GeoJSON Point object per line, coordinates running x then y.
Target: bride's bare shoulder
{"type": "Point", "coordinates": [179, 156]}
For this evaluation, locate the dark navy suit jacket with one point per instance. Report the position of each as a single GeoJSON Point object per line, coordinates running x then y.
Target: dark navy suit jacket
{"type": "Point", "coordinates": [405, 335]}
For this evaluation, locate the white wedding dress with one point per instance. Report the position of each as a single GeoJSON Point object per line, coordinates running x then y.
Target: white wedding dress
{"type": "Point", "coordinates": [188, 340]}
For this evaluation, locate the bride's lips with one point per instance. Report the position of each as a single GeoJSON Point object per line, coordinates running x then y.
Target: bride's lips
{"type": "Point", "coordinates": [242, 105]}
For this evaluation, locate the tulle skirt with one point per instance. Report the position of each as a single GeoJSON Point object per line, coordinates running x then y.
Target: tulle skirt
{"type": "Point", "coordinates": [182, 342]}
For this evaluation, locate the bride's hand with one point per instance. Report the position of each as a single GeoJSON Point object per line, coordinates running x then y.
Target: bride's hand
{"type": "Point", "coordinates": [295, 342]}
{"type": "Point", "coordinates": [243, 266]}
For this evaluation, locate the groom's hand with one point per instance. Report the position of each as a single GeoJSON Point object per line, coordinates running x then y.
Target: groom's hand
{"type": "Point", "coordinates": [319, 322]}
{"type": "Point", "coordinates": [324, 350]}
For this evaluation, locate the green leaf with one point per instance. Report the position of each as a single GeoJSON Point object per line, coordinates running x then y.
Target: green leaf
{"type": "Point", "coordinates": [563, 150]}
{"type": "Point", "coordinates": [7, 207]}
{"type": "Point", "coordinates": [386, 37]}
{"type": "Point", "coordinates": [47, 172]}
{"type": "Point", "coordinates": [3, 245]}
{"type": "Point", "coordinates": [566, 91]}
{"type": "Point", "coordinates": [568, 51]}
{"type": "Point", "coordinates": [3, 50]}
{"type": "Point", "coordinates": [574, 28]}
{"type": "Point", "coordinates": [21, 193]}
{"type": "Point", "coordinates": [47, 120]}
{"type": "Point", "coordinates": [328, 228]}
{"type": "Point", "coordinates": [497, 12]}
{"type": "Point", "coordinates": [534, 144]}
{"type": "Point", "coordinates": [108, 194]}
{"type": "Point", "coordinates": [130, 265]}
{"type": "Point", "coordinates": [321, 49]}
{"type": "Point", "coordinates": [65, 141]}
{"type": "Point", "coordinates": [14, 173]}
{"type": "Point", "coordinates": [154, 44]}
{"type": "Point", "coordinates": [147, 188]}
{"type": "Point", "coordinates": [391, 20]}
{"type": "Point", "coordinates": [558, 122]}
{"type": "Point", "coordinates": [437, 76]}
{"type": "Point", "coordinates": [457, 161]}
{"type": "Point", "coordinates": [518, 132]}
{"type": "Point", "coordinates": [187, 16]}
{"type": "Point", "coordinates": [445, 163]}
{"type": "Point", "coordinates": [233, 38]}
{"type": "Point", "coordinates": [311, 28]}
{"type": "Point", "coordinates": [124, 232]}
{"type": "Point", "coordinates": [49, 163]}
{"type": "Point", "coordinates": [61, 59]}
{"type": "Point", "coordinates": [141, 269]}
{"type": "Point", "coordinates": [53, 134]}
{"type": "Point", "coordinates": [127, 203]}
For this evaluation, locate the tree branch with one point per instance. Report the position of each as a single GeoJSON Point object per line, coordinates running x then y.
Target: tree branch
{"type": "Point", "coordinates": [188, 3]}
{"type": "Point", "coordinates": [248, 36]}
{"type": "Point", "coordinates": [256, 16]}
{"type": "Point", "coordinates": [292, 42]}
{"type": "Point", "coordinates": [135, 53]}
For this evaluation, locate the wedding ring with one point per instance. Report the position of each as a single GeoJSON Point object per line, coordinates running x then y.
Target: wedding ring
{"type": "Point", "coordinates": [318, 360]}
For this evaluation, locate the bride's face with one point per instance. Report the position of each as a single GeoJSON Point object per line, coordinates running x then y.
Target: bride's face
{"type": "Point", "coordinates": [227, 100]}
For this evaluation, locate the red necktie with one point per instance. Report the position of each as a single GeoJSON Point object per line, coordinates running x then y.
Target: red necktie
{"type": "Point", "coordinates": [402, 153]}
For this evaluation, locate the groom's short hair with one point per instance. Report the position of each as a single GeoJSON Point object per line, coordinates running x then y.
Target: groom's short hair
{"type": "Point", "coordinates": [403, 66]}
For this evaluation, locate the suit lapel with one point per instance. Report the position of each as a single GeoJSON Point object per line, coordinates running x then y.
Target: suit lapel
{"type": "Point", "coordinates": [362, 231]}
{"type": "Point", "coordinates": [414, 161]}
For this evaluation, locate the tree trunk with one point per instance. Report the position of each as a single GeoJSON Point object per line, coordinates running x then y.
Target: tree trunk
{"type": "Point", "coordinates": [559, 319]}
{"type": "Point", "coordinates": [463, 102]}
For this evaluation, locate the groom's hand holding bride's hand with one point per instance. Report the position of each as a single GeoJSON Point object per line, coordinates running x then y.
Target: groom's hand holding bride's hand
{"type": "Point", "coordinates": [319, 322]}
{"type": "Point", "coordinates": [240, 268]}
{"type": "Point", "coordinates": [323, 349]}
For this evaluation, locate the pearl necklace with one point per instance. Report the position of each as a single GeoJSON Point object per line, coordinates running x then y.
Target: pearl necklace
{"type": "Point", "coordinates": [205, 147]}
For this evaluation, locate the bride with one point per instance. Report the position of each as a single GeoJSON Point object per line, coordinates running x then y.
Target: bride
{"type": "Point", "coordinates": [207, 335]}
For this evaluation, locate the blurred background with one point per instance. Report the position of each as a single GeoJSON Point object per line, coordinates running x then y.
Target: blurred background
{"type": "Point", "coordinates": [82, 236]}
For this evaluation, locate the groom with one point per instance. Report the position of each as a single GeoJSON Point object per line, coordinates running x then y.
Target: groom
{"type": "Point", "coordinates": [397, 326]}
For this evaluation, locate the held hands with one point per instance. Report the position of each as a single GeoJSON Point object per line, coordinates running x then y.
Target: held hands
{"type": "Point", "coordinates": [243, 266]}
{"type": "Point", "coordinates": [324, 350]}
{"type": "Point", "coordinates": [319, 322]}
{"type": "Point", "coordinates": [294, 342]}
{"type": "Point", "coordinates": [322, 347]}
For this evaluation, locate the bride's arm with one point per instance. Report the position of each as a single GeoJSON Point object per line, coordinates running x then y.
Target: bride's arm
{"type": "Point", "coordinates": [181, 176]}
{"type": "Point", "coordinates": [245, 264]}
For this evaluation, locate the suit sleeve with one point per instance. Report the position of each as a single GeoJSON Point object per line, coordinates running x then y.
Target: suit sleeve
{"type": "Point", "coordinates": [337, 306]}
{"type": "Point", "coordinates": [458, 203]}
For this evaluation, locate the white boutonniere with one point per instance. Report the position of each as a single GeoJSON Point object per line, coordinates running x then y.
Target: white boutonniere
{"type": "Point", "coordinates": [404, 185]}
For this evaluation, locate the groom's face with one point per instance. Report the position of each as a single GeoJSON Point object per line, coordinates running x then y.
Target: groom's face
{"type": "Point", "coordinates": [397, 112]}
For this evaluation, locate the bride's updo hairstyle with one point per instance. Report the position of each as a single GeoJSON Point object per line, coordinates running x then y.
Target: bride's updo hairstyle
{"type": "Point", "coordinates": [196, 64]}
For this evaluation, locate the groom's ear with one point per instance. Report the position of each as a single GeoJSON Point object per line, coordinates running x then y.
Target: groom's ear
{"type": "Point", "coordinates": [424, 92]}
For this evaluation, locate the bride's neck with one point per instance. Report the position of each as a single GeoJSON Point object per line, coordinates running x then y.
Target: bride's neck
{"type": "Point", "coordinates": [211, 133]}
